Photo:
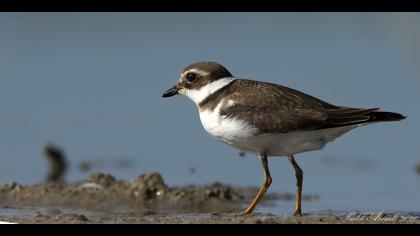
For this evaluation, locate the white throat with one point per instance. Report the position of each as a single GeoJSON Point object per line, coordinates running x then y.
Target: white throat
{"type": "Point", "coordinates": [198, 95]}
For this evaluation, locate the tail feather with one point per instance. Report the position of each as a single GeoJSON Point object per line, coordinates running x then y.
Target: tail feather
{"type": "Point", "coordinates": [352, 116]}
{"type": "Point", "coordinates": [385, 116]}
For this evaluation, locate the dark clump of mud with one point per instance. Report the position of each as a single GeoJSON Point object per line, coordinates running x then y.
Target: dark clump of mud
{"type": "Point", "coordinates": [57, 162]}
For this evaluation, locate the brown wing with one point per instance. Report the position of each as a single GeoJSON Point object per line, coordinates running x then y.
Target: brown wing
{"type": "Point", "coordinates": [278, 109]}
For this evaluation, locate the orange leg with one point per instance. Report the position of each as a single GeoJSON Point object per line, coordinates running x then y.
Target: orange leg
{"type": "Point", "coordinates": [299, 178]}
{"type": "Point", "coordinates": [264, 187]}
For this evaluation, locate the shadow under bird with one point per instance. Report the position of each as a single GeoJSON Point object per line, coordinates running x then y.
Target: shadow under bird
{"type": "Point", "coordinates": [267, 119]}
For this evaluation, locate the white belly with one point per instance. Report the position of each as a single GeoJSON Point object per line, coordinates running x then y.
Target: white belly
{"type": "Point", "coordinates": [290, 143]}
{"type": "Point", "coordinates": [244, 137]}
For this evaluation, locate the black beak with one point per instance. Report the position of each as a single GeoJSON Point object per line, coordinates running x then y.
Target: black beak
{"type": "Point", "coordinates": [170, 92]}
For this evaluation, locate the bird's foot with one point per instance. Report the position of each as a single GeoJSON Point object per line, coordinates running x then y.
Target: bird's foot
{"type": "Point", "coordinates": [298, 213]}
{"type": "Point", "coordinates": [244, 214]}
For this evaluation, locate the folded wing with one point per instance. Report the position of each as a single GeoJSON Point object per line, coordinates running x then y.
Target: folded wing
{"type": "Point", "coordinates": [277, 109]}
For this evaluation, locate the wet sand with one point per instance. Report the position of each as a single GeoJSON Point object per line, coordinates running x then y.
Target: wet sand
{"type": "Point", "coordinates": [67, 216]}
{"type": "Point", "coordinates": [147, 199]}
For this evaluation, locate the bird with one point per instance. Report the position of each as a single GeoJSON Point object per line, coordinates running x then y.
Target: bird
{"type": "Point", "coordinates": [267, 119]}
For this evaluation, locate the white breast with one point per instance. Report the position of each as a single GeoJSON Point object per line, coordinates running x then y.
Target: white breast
{"type": "Point", "coordinates": [229, 130]}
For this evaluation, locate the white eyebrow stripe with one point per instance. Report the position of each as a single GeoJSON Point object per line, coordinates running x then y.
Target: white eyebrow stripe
{"type": "Point", "coordinates": [200, 72]}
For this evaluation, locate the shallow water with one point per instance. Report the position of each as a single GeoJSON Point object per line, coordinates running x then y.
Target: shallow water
{"type": "Point", "coordinates": [92, 84]}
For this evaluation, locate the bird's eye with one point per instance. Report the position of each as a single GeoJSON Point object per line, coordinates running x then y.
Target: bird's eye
{"type": "Point", "coordinates": [191, 77]}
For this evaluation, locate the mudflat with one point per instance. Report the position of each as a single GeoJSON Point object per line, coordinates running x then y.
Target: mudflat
{"type": "Point", "coordinates": [146, 199]}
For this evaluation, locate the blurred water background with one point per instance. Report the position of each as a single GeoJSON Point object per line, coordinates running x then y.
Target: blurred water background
{"type": "Point", "coordinates": [92, 83]}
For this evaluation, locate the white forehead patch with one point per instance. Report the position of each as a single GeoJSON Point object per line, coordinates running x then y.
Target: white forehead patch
{"type": "Point", "coordinates": [199, 72]}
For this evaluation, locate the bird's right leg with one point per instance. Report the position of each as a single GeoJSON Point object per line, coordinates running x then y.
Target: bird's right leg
{"type": "Point", "coordinates": [264, 187]}
{"type": "Point", "coordinates": [299, 179]}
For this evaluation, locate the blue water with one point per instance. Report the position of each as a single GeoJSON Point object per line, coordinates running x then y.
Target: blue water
{"type": "Point", "coordinates": [92, 84]}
